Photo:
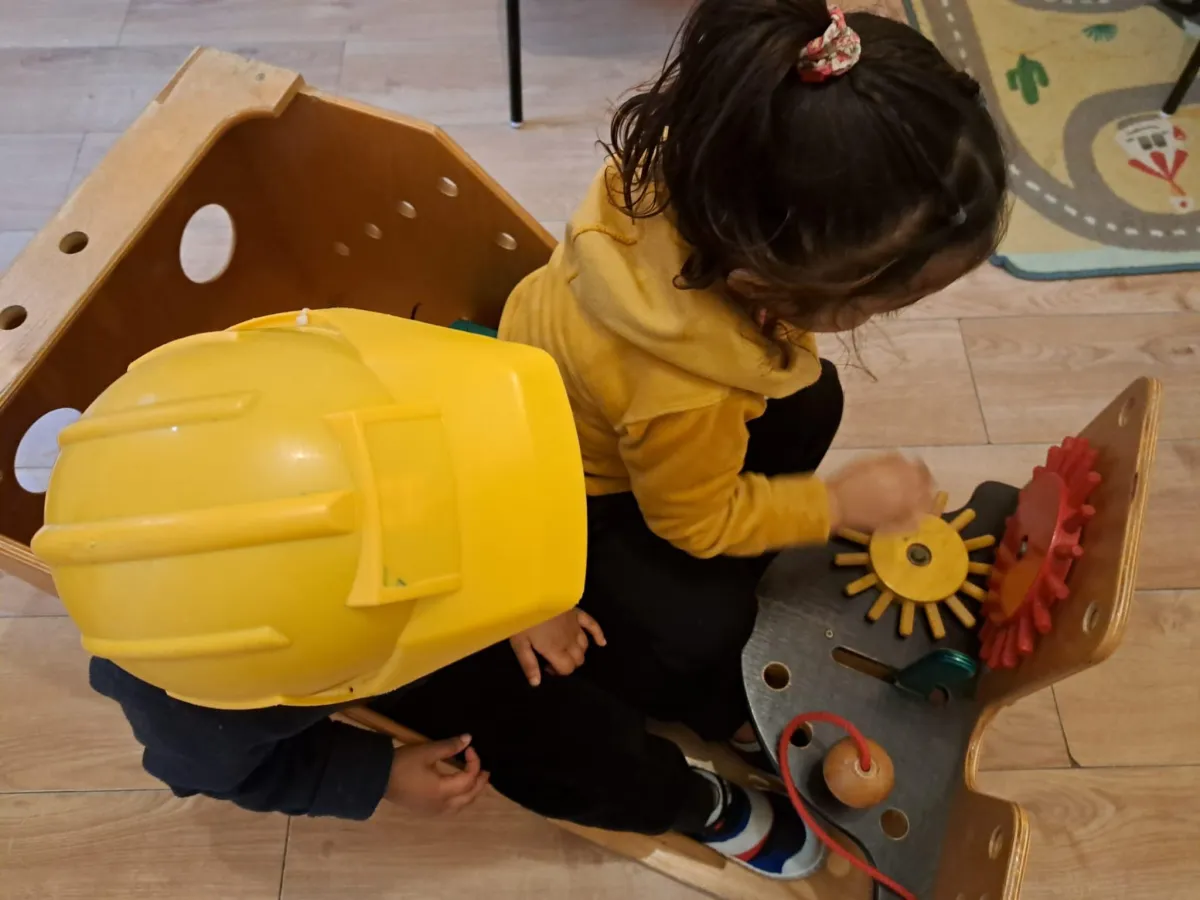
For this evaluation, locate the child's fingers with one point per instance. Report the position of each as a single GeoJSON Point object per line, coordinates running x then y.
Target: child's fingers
{"type": "Point", "coordinates": [472, 758]}
{"type": "Point", "coordinates": [592, 627]}
{"type": "Point", "coordinates": [446, 749]}
{"type": "Point", "coordinates": [528, 660]}
{"type": "Point", "coordinates": [466, 799]}
{"type": "Point", "coordinates": [564, 662]}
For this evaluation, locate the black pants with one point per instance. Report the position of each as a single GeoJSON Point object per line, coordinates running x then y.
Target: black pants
{"type": "Point", "coordinates": [567, 749]}
{"type": "Point", "coordinates": [576, 748]}
{"type": "Point", "coordinates": [676, 624]}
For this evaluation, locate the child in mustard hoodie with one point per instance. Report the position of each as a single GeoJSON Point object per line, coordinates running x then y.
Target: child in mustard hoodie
{"type": "Point", "coordinates": [793, 171]}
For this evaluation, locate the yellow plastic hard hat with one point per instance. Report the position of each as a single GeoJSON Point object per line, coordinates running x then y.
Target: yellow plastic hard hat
{"type": "Point", "coordinates": [316, 508]}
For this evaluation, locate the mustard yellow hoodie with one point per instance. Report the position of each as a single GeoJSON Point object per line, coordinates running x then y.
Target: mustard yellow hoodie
{"type": "Point", "coordinates": [662, 382]}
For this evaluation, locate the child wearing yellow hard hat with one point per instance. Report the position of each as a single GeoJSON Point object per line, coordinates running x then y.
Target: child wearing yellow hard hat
{"type": "Point", "coordinates": [256, 528]}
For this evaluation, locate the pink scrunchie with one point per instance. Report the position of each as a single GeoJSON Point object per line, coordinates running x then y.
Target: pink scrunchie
{"type": "Point", "coordinates": [832, 54]}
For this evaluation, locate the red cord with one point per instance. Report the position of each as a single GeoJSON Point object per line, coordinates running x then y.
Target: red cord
{"type": "Point", "coordinates": [864, 758]}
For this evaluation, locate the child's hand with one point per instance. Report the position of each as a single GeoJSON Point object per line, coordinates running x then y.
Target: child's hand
{"type": "Point", "coordinates": [884, 492]}
{"type": "Point", "coordinates": [424, 781]}
{"type": "Point", "coordinates": [562, 642]}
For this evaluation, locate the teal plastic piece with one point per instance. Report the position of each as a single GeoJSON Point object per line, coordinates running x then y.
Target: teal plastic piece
{"type": "Point", "coordinates": [473, 328]}
{"type": "Point", "coordinates": [942, 670]}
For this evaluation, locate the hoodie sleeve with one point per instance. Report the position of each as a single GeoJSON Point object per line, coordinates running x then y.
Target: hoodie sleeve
{"type": "Point", "coordinates": [685, 469]}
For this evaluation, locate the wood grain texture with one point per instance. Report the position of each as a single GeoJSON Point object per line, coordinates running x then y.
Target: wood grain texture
{"type": "Point", "coordinates": [990, 291]}
{"type": "Point", "coordinates": [546, 168]}
{"type": "Point", "coordinates": [60, 23]}
{"type": "Point", "coordinates": [1108, 832]}
{"type": "Point", "coordinates": [907, 382]}
{"type": "Point", "coordinates": [1042, 378]}
{"type": "Point", "coordinates": [12, 243]}
{"type": "Point", "coordinates": [1139, 708]}
{"type": "Point", "coordinates": [139, 845]}
{"type": "Point", "coordinates": [17, 598]}
{"type": "Point", "coordinates": [34, 172]}
{"type": "Point", "coordinates": [56, 733]}
{"type": "Point", "coordinates": [494, 849]}
{"type": "Point", "coordinates": [105, 88]}
{"type": "Point", "coordinates": [1026, 735]}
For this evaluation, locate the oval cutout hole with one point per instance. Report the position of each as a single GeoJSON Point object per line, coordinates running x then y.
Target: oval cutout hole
{"type": "Point", "coordinates": [1091, 618]}
{"type": "Point", "coordinates": [447, 187]}
{"type": "Point", "coordinates": [73, 242]}
{"type": "Point", "coordinates": [506, 241]}
{"type": "Point", "coordinates": [373, 231]}
{"type": "Point", "coordinates": [1126, 412]}
{"type": "Point", "coordinates": [341, 249]}
{"type": "Point", "coordinates": [12, 317]}
{"type": "Point", "coordinates": [894, 824]}
{"type": "Point", "coordinates": [776, 676]}
{"type": "Point", "coordinates": [802, 736]}
{"type": "Point", "coordinates": [406, 209]}
{"type": "Point", "coordinates": [206, 248]}
{"type": "Point", "coordinates": [996, 844]}
{"type": "Point", "coordinates": [38, 449]}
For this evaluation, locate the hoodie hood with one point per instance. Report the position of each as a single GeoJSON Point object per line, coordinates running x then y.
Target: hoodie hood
{"type": "Point", "coordinates": [696, 331]}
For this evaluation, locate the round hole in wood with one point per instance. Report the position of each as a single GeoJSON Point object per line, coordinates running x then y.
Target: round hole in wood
{"type": "Point", "coordinates": [1126, 412]}
{"type": "Point", "coordinates": [802, 736]}
{"type": "Point", "coordinates": [837, 866]}
{"type": "Point", "coordinates": [506, 241]}
{"type": "Point", "coordinates": [996, 844]}
{"type": "Point", "coordinates": [12, 317]}
{"type": "Point", "coordinates": [960, 896]}
{"type": "Point", "coordinates": [38, 449]}
{"type": "Point", "coordinates": [776, 676]}
{"type": "Point", "coordinates": [206, 248]}
{"type": "Point", "coordinates": [939, 696]}
{"type": "Point", "coordinates": [1091, 618]}
{"type": "Point", "coordinates": [406, 209]}
{"type": "Point", "coordinates": [447, 187]}
{"type": "Point", "coordinates": [73, 242]}
{"type": "Point", "coordinates": [340, 249]}
{"type": "Point", "coordinates": [894, 824]}
{"type": "Point", "coordinates": [373, 231]}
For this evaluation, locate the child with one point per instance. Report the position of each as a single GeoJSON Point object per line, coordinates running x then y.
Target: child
{"type": "Point", "coordinates": [793, 171]}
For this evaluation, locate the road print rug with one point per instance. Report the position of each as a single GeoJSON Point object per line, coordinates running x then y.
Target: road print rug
{"type": "Point", "coordinates": [1103, 183]}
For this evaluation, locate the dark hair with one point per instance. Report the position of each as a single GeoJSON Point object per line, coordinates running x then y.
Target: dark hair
{"type": "Point", "coordinates": [826, 192]}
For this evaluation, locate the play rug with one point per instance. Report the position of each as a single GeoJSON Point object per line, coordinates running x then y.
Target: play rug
{"type": "Point", "coordinates": [1103, 183]}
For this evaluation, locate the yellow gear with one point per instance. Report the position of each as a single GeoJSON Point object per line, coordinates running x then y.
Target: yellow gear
{"type": "Point", "coordinates": [316, 508]}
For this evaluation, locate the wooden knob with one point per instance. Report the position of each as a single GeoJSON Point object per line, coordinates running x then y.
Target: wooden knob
{"type": "Point", "coordinates": [849, 783]}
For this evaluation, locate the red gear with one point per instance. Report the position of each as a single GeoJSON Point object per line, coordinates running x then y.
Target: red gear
{"type": "Point", "coordinates": [1041, 542]}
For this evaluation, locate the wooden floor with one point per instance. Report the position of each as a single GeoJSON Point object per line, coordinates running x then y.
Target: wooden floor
{"type": "Point", "coordinates": [978, 380]}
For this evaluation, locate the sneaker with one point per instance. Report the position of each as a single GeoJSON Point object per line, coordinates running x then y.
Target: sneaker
{"type": "Point", "coordinates": [762, 832]}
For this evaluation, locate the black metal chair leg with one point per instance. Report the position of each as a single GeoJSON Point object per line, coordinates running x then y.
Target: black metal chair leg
{"type": "Point", "coordinates": [516, 105]}
{"type": "Point", "coordinates": [1181, 87]}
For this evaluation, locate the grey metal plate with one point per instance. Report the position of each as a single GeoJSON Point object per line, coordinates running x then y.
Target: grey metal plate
{"type": "Point", "coordinates": [804, 615]}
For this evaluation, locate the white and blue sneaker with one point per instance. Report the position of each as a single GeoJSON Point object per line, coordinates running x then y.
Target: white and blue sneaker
{"type": "Point", "coordinates": [761, 831]}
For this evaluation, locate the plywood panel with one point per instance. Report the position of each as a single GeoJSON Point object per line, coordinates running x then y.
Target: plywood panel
{"type": "Point", "coordinates": [56, 733]}
{"type": "Point", "coordinates": [140, 845]}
